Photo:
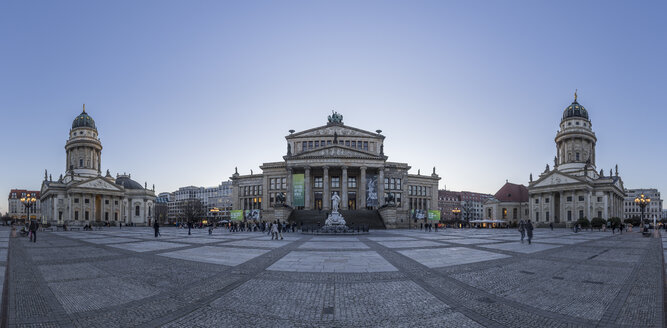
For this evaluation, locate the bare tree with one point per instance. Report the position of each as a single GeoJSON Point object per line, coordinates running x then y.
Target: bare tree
{"type": "Point", "coordinates": [192, 210]}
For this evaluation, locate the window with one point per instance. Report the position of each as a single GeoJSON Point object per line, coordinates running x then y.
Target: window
{"type": "Point", "coordinates": [106, 216]}
{"type": "Point", "coordinates": [386, 183]}
{"type": "Point", "coordinates": [392, 183]}
{"type": "Point", "coordinates": [546, 217]}
{"type": "Point", "coordinates": [272, 185]}
{"type": "Point", "coordinates": [365, 145]}
{"type": "Point", "coordinates": [353, 144]}
{"type": "Point", "coordinates": [581, 214]}
{"type": "Point", "coordinates": [304, 145]}
{"type": "Point", "coordinates": [335, 182]}
{"type": "Point", "coordinates": [76, 200]}
{"type": "Point", "coordinates": [577, 156]}
{"type": "Point", "coordinates": [106, 202]}
{"type": "Point", "coordinates": [581, 198]}
{"type": "Point", "coordinates": [537, 200]}
{"type": "Point", "coordinates": [115, 202]}
{"type": "Point", "coordinates": [351, 182]}
{"type": "Point", "coordinates": [328, 142]}
{"type": "Point", "coordinates": [86, 215]}
{"type": "Point", "coordinates": [599, 199]}
{"type": "Point", "coordinates": [318, 182]}
{"type": "Point", "coordinates": [569, 198]}
{"type": "Point", "coordinates": [81, 162]}
{"type": "Point", "coordinates": [546, 200]}
{"type": "Point", "coordinates": [136, 210]}
{"type": "Point", "coordinates": [537, 216]}
{"type": "Point", "coordinates": [87, 201]}
{"type": "Point", "coordinates": [504, 213]}
{"type": "Point", "coordinates": [599, 214]}
{"type": "Point", "coordinates": [569, 215]}
{"type": "Point", "coordinates": [317, 143]}
{"type": "Point", "coordinates": [310, 145]}
{"type": "Point", "coordinates": [60, 216]}
{"type": "Point", "coordinates": [76, 215]}
{"type": "Point", "coordinates": [347, 143]}
{"type": "Point", "coordinates": [398, 184]}
{"type": "Point", "coordinates": [515, 214]}
{"type": "Point", "coordinates": [115, 216]}
{"type": "Point", "coordinates": [283, 183]}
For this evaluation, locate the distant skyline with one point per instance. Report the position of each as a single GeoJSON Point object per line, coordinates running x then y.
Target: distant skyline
{"type": "Point", "coordinates": [184, 92]}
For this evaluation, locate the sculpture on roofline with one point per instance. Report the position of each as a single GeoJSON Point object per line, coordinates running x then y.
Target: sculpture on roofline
{"type": "Point", "coordinates": [335, 118]}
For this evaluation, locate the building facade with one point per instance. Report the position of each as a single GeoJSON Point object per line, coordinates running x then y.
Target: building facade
{"type": "Point", "coordinates": [336, 159]}
{"type": "Point", "coordinates": [83, 195]}
{"type": "Point", "coordinates": [509, 204]}
{"type": "Point", "coordinates": [210, 198]}
{"type": "Point", "coordinates": [573, 188]}
{"type": "Point", "coordinates": [18, 211]}
{"type": "Point", "coordinates": [470, 203]}
{"type": "Point", "coordinates": [632, 210]}
{"type": "Point", "coordinates": [447, 202]}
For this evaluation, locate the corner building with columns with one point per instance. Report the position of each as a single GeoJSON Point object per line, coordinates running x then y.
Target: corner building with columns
{"type": "Point", "coordinates": [83, 195]}
{"type": "Point", "coordinates": [574, 189]}
{"type": "Point", "coordinates": [336, 159]}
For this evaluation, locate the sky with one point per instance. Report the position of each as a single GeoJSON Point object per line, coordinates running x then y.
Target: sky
{"type": "Point", "coordinates": [182, 92]}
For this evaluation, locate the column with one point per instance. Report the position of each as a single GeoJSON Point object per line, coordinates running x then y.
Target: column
{"type": "Point", "coordinates": [326, 194]}
{"type": "Point", "coordinates": [308, 188]}
{"type": "Point", "coordinates": [343, 188]}
{"type": "Point", "coordinates": [288, 197]}
{"type": "Point", "coordinates": [361, 197]}
{"type": "Point", "coordinates": [266, 195]}
{"type": "Point", "coordinates": [381, 187]}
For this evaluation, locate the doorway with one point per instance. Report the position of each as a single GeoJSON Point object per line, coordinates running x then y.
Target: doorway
{"type": "Point", "coordinates": [557, 207]}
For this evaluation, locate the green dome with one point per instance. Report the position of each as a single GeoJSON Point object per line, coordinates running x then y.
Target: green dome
{"type": "Point", "coordinates": [575, 110]}
{"type": "Point", "coordinates": [83, 121]}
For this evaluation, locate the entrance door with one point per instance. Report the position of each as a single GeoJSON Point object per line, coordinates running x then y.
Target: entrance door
{"type": "Point", "coordinates": [318, 201]}
{"type": "Point", "coordinates": [352, 200]}
{"type": "Point", "coordinates": [98, 208]}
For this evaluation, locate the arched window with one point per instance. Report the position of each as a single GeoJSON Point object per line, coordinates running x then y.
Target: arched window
{"type": "Point", "coordinates": [136, 210]}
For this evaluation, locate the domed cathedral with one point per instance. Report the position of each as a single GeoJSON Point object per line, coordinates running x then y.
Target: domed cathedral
{"type": "Point", "coordinates": [340, 162]}
{"type": "Point", "coordinates": [83, 195]}
{"type": "Point", "coordinates": [573, 189]}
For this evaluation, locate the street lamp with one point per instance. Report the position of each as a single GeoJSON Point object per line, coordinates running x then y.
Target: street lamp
{"type": "Point", "coordinates": [642, 201]}
{"type": "Point", "coordinates": [28, 201]}
{"type": "Point", "coordinates": [456, 212]}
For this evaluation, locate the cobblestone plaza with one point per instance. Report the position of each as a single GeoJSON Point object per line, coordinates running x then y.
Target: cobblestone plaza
{"type": "Point", "coordinates": [396, 278]}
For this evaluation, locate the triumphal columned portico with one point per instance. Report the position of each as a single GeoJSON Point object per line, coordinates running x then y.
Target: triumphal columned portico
{"type": "Point", "coordinates": [342, 160]}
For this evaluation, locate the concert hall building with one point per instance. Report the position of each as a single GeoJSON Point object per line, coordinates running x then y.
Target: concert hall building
{"type": "Point", "coordinates": [337, 159]}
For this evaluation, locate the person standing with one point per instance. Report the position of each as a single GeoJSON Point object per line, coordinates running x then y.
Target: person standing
{"type": "Point", "coordinates": [189, 227]}
{"type": "Point", "coordinates": [551, 225]}
{"type": "Point", "coordinates": [33, 231]}
{"type": "Point", "coordinates": [274, 230]}
{"type": "Point", "coordinates": [280, 231]}
{"type": "Point", "coordinates": [529, 231]}
{"type": "Point", "coordinates": [156, 227]}
{"type": "Point", "coordinates": [522, 230]}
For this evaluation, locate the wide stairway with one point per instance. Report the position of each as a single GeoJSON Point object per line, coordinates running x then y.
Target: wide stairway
{"type": "Point", "coordinates": [370, 218]}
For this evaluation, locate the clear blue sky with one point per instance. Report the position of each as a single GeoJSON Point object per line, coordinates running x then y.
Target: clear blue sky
{"type": "Point", "coordinates": [184, 91]}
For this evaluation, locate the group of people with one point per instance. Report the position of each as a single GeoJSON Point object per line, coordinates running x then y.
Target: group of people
{"type": "Point", "coordinates": [526, 229]}
{"type": "Point", "coordinates": [428, 227]}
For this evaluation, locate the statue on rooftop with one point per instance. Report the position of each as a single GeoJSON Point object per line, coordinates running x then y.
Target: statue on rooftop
{"type": "Point", "coordinates": [335, 118]}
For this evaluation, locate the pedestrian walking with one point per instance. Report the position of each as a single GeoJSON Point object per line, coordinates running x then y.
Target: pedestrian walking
{"type": "Point", "coordinates": [280, 231]}
{"type": "Point", "coordinates": [189, 228]}
{"type": "Point", "coordinates": [33, 231]}
{"type": "Point", "coordinates": [522, 230]}
{"type": "Point", "coordinates": [156, 227]}
{"type": "Point", "coordinates": [529, 231]}
{"type": "Point", "coordinates": [274, 230]}
{"type": "Point", "coordinates": [551, 225]}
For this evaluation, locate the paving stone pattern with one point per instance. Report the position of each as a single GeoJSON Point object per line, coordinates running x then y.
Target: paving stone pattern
{"type": "Point", "coordinates": [395, 278]}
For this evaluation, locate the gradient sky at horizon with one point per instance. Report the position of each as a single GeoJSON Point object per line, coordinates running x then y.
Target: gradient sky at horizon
{"type": "Point", "coordinates": [184, 91]}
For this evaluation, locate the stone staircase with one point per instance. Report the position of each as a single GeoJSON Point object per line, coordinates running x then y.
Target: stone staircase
{"type": "Point", "coordinates": [353, 218]}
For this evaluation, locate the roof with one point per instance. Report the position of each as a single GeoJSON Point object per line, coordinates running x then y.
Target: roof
{"type": "Point", "coordinates": [19, 191]}
{"type": "Point", "coordinates": [512, 192]}
{"type": "Point", "coordinates": [128, 183]}
{"type": "Point", "coordinates": [83, 120]}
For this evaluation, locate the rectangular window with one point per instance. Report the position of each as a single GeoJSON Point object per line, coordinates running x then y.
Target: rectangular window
{"type": "Point", "coordinates": [273, 184]}
{"type": "Point", "coordinates": [392, 184]}
{"type": "Point", "coordinates": [76, 200]}
{"type": "Point", "coordinates": [321, 143]}
{"type": "Point", "coordinates": [317, 143]}
{"type": "Point", "coordinates": [347, 143]}
{"type": "Point", "coordinates": [386, 183]}
{"type": "Point", "coordinates": [353, 144]}
{"type": "Point", "coordinates": [581, 214]}
{"type": "Point", "coordinates": [569, 198]}
{"type": "Point", "coordinates": [351, 182]}
{"type": "Point", "coordinates": [86, 215]}
{"type": "Point", "coordinates": [335, 182]}
{"type": "Point", "coordinates": [599, 214]}
{"type": "Point", "coordinates": [106, 216]}
{"type": "Point", "coordinates": [398, 184]}
{"type": "Point", "coordinates": [537, 200]}
{"type": "Point", "coordinates": [304, 145]}
{"type": "Point", "coordinates": [60, 216]}
{"type": "Point", "coordinates": [115, 202]}
{"type": "Point", "coordinates": [115, 216]}
{"type": "Point", "coordinates": [546, 200]}
{"type": "Point", "coordinates": [599, 199]}
{"type": "Point", "coordinates": [76, 215]}
{"type": "Point", "coordinates": [546, 217]}
{"type": "Point", "coordinates": [86, 201]}
{"type": "Point", "coordinates": [365, 145]}
{"type": "Point", "coordinates": [310, 145]}
{"type": "Point", "coordinates": [106, 202]}
{"type": "Point", "coordinates": [515, 214]}
{"type": "Point", "coordinates": [581, 198]}
{"type": "Point", "coordinates": [569, 215]}
{"type": "Point", "coordinates": [328, 142]}
{"type": "Point", "coordinates": [318, 182]}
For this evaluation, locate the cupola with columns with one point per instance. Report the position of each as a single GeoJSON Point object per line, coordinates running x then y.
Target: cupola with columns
{"type": "Point", "coordinates": [84, 149]}
{"type": "Point", "coordinates": [575, 141]}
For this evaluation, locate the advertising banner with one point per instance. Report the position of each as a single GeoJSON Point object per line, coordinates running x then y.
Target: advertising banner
{"type": "Point", "coordinates": [236, 215]}
{"type": "Point", "coordinates": [298, 188]}
{"type": "Point", "coordinates": [434, 215]}
{"type": "Point", "coordinates": [419, 214]}
{"type": "Point", "coordinates": [253, 215]}
{"type": "Point", "coordinates": [371, 190]}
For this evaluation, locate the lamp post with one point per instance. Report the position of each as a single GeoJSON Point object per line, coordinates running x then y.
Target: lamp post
{"type": "Point", "coordinates": [28, 201]}
{"type": "Point", "coordinates": [456, 212]}
{"type": "Point", "coordinates": [642, 201]}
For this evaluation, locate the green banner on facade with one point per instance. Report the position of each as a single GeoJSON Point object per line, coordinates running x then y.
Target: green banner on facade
{"type": "Point", "coordinates": [298, 187]}
{"type": "Point", "coordinates": [434, 215]}
{"type": "Point", "coordinates": [236, 215]}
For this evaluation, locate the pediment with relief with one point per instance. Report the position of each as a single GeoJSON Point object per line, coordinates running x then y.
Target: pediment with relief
{"type": "Point", "coordinates": [329, 130]}
{"type": "Point", "coordinates": [555, 179]}
{"type": "Point", "coordinates": [97, 184]}
{"type": "Point", "coordinates": [336, 151]}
